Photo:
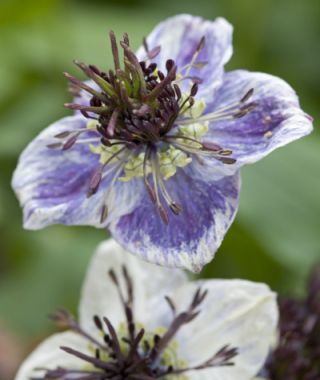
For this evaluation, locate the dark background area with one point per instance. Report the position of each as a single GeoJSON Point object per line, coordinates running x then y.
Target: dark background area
{"type": "Point", "coordinates": [275, 238]}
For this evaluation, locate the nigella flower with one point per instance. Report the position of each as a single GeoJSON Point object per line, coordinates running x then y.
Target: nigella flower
{"type": "Point", "coordinates": [142, 322]}
{"type": "Point", "coordinates": [297, 355]}
{"type": "Point", "coordinates": [154, 147]}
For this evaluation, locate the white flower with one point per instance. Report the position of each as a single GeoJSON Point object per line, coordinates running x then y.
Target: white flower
{"type": "Point", "coordinates": [171, 326]}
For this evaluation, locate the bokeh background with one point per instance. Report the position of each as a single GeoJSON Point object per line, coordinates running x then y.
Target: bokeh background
{"type": "Point", "coordinates": [275, 238]}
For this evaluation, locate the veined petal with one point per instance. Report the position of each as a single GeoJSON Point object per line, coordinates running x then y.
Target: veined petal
{"type": "Point", "coordinates": [150, 283]}
{"type": "Point", "coordinates": [276, 120]}
{"type": "Point", "coordinates": [238, 313]}
{"type": "Point", "coordinates": [179, 37]}
{"type": "Point", "coordinates": [48, 355]}
{"type": "Point", "coordinates": [52, 184]}
{"type": "Point", "coordinates": [191, 238]}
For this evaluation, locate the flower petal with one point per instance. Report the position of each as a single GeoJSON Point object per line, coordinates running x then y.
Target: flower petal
{"type": "Point", "coordinates": [150, 283]}
{"type": "Point", "coordinates": [276, 120]}
{"type": "Point", "coordinates": [52, 184]}
{"type": "Point", "coordinates": [179, 38]}
{"type": "Point", "coordinates": [238, 313]}
{"type": "Point", "coordinates": [191, 239]}
{"type": "Point", "coordinates": [49, 355]}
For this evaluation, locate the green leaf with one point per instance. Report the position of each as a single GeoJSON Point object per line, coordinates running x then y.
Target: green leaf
{"type": "Point", "coordinates": [280, 204]}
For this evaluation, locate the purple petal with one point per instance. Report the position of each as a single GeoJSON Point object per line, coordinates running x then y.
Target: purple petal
{"type": "Point", "coordinates": [191, 238]}
{"type": "Point", "coordinates": [276, 120]}
{"type": "Point", "coordinates": [179, 37]}
{"type": "Point", "coordinates": [52, 184]}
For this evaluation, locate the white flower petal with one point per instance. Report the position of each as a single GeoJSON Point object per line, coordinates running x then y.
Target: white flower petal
{"type": "Point", "coordinates": [240, 313]}
{"type": "Point", "coordinates": [49, 355]}
{"type": "Point", "coordinates": [99, 294]}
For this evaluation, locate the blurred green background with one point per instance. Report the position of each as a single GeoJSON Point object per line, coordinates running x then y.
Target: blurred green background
{"type": "Point", "coordinates": [276, 235]}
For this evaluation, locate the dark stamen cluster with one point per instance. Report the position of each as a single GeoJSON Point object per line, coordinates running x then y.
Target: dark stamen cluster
{"type": "Point", "coordinates": [297, 356]}
{"type": "Point", "coordinates": [136, 109]}
{"type": "Point", "coordinates": [134, 356]}
{"type": "Point", "coordinates": [135, 104]}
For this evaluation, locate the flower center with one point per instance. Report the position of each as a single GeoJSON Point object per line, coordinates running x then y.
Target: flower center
{"type": "Point", "coordinates": [141, 123]}
{"type": "Point", "coordinates": [130, 352]}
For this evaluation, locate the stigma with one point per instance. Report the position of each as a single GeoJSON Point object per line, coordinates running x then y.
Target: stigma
{"type": "Point", "coordinates": [142, 125]}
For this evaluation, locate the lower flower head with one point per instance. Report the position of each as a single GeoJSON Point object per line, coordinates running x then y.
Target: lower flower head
{"type": "Point", "coordinates": [144, 322]}
{"type": "Point", "coordinates": [155, 144]}
{"type": "Point", "coordinates": [297, 355]}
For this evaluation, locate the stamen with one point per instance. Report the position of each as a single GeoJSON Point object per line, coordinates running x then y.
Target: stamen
{"type": "Point", "coordinates": [180, 320]}
{"type": "Point", "coordinates": [160, 86]}
{"type": "Point", "coordinates": [232, 110]}
{"type": "Point", "coordinates": [226, 160]}
{"type": "Point", "coordinates": [96, 78]}
{"type": "Point", "coordinates": [114, 339]}
{"type": "Point", "coordinates": [70, 142]}
{"type": "Point", "coordinates": [54, 145]}
{"type": "Point", "coordinates": [206, 151]}
{"type": "Point", "coordinates": [64, 319]}
{"type": "Point", "coordinates": [194, 90]}
{"type": "Point", "coordinates": [149, 188]}
{"type": "Point", "coordinates": [198, 65]}
{"type": "Point", "coordinates": [118, 168]}
{"type": "Point", "coordinates": [177, 137]}
{"type": "Point", "coordinates": [95, 362]}
{"type": "Point", "coordinates": [112, 123]}
{"type": "Point", "coordinates": [104, 214]}
{"type": "Point", "coordinates": [220, 359]}
{"type": "Point", "coordinates": [247, 96]}
{"type": "Point", "coordinates": [97, 176]}
{"type": "Point", "coordinates": [63, 135]}
{"type": "Point", "coordinates": [198, 50]}
{"type": "Point", "coordinates": [78, 84]}
{"type": "Point", "coordinates": [126, 39]}
{"type": "Point", "coordinates": [211, 146]}
{"type": "Point", "coordinates": [174, 207]}
{"type": "Point", "coordinates": [245, 110]}
{"type": "Point", "coordinates": [88, 140]}
{"type": "Point", "coordinates": [79, 107]}
{"type": "Point", "coordinates": [115, 52]}
{"type": "Point", "coordinates": [95, 182]}
{"type": "Point", "coordinates": [151, 54]}
{"type": "Point", "coordinates": [171, 304]}
{"type": "Point", "coordinates": [155, 177]}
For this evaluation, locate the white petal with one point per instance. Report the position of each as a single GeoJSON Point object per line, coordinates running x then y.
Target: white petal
{"type": "Point", "coordinates": [240, 313]}
{"type": "Point", "coordinates": [150, 283]}
{"type": "Point", "coordinates": [49, 355]}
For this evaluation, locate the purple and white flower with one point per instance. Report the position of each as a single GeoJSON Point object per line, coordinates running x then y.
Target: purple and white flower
{"type": "Point", "coordinates": [154, 147]}
{"type": "Point", "coordinates": [143, 322]}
